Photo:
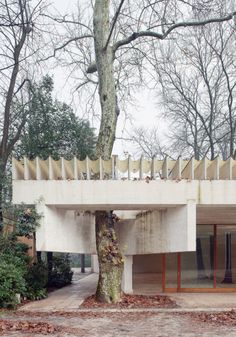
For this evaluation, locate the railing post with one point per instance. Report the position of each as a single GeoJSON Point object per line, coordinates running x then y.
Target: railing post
{"type": "Point", "coordinates": [153, 168]}
{"type": "Point", "coordinates": [129, 167]}
{"type": "Point", "coordinates": [75, 168]}
{"type": "Point", "coordinates": [87, 168]}
{"type": "Point", "coordinates": [100, 168]}
{"type": "Point", "coordinates": [141, 168]}
{"type": "Point", "coordinates": [113, 167]}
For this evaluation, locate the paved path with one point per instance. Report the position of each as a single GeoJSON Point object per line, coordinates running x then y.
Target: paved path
{"type": "Point", "coordinates": [68, 298]}
{"type": "Point", "coordinates": [205, 301]}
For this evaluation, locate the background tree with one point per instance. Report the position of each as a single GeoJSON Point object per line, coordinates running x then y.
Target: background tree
{"type": "Point", "coordinates": [198, 91]}
{"type": "Point", "coordinates": [18, 46]}
{"type": "Point", "coordinates": [53, 129]}
{"type": "Point", "coordinates": [148, 144]}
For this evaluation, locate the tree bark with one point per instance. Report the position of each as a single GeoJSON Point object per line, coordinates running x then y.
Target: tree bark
{"type": "Point", "coordinates": [107, 91]}
{"type": "Point", "coordinates": [110, 261]}
{"type": "Point", "coordinates": [109, 255]}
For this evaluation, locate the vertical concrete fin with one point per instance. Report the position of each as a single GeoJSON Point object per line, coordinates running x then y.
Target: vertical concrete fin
{"type": "Point", "coordinates": [113, 167]}
{"type": "Point", "coordinates": [204, 168]}
{"type": "Point", "coordinates": [165, 168]}
{"type": "Point", "coordinates": [26, 169]}
{"type": "Point", "coordinates": [129, 167]}
{"type": "Point", "coordinates": [153, 168]}
{"type": "Point", "coordinates": [230, 168]}
{"type": "Point", "coordinates": [100, 168]}
{"type": "Point", "coordinates": [87, 168]}
{"type": "Point", "coordinates": [63, 171]}
{"type": "Point", "coordinates": [51, 175]}
{"type": "Point", "coordinates": [38, 169]}
{"type": "Point", "coordinates": [75, 165]}
{"type": "Point", "coordinates": [141, 168]}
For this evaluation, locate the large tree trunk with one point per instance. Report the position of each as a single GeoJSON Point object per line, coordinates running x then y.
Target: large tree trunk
{"type": "Point", "coordinates": [110, 260]}
{"type": "Point", "coordinates": [107, 92]}
{"type": "Point", "coordinates": [109, 255]}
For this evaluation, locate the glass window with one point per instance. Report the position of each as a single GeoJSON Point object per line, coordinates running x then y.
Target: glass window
{"type": "Point", "coordinates": [226, 256]}
{"type": "Point", "coordinates": [197, 267]}
{"type": "Point", "coordinates": [171, 270]}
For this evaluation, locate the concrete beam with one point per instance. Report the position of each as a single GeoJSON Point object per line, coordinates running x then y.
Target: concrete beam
{"type": "Point", "coordinates": [124, 195]}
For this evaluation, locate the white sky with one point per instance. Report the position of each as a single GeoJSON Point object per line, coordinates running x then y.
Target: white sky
{"type": "Point", "coordinates": [144, 114]}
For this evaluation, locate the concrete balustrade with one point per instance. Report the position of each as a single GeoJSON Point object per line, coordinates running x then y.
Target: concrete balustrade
{"type": "Point", "coordinates": [115, 168]}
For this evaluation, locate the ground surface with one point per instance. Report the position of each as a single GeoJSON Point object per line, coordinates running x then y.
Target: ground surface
{"type": "Point", "coordinates": [126, 324]}
{"type": "Point", "coordinates": [61, 315]}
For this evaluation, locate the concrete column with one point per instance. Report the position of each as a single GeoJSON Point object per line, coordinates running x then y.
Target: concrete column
{"type": "Point", "coordinates": [94, 264]}
{"type": "Point", "coordinates": [127, 279]}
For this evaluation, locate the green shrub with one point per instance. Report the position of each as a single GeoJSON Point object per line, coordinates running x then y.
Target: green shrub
{"type": "Point", "coordinates": [61, 273]}
{"type": "Point", "coordinates": [12, 280]}
{"type": "Point", "coordinates": [27, 220]}
{"type": "Point", "coordinates": [36, 280]}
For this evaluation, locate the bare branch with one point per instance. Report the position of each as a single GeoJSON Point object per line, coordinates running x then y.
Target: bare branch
{"type": "Point", "coordinates": [74, 39]}
{"type": "Point", "coordinates": [114, 22]}
{"type": "Point", "coordinates": [160, 36]}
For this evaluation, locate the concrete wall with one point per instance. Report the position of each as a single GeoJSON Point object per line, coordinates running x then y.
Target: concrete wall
{"type": "Point", "coordinates": [169, 230]}
{"type": "Point", "coordinates": [65, 231]}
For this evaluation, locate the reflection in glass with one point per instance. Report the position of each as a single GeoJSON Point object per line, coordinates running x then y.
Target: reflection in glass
{"type": "Point", "coordinates": [197, 267]}
{"type": "Point", "coordinates": [171, 270]}
{"type": "Point", "coordinates": [226, 256]}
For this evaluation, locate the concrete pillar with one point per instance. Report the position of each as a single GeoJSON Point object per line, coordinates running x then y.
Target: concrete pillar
{"type": "Point", "coordinates": [127, 279]}
{"type": "Point", "coordinates": [94, 264]}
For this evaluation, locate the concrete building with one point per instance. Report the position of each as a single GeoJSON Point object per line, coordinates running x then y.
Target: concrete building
{"type": "Point", "coordinates": [177, 225]}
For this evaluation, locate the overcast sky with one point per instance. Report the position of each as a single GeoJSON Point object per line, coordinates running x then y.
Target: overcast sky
{"type": "Point", "coordinates": [143, 114]}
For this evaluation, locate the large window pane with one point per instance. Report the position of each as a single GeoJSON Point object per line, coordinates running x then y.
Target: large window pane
{"type": "Point", "coordinates": [197, 267]}
{"type": "Point", "coordinates": [226, 256]}
{"type": "Point", "coordinates": [171, 270]}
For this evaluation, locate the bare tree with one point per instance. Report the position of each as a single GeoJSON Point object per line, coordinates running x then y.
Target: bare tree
{"type": "Point", "coordinates": [119, 42]}
{"type": "Point", "coordinates": [148, 144]}
{"type": "Point", "coordinates": [18, 30]}
{"type": "Point", "coordinates": [198, 89]}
